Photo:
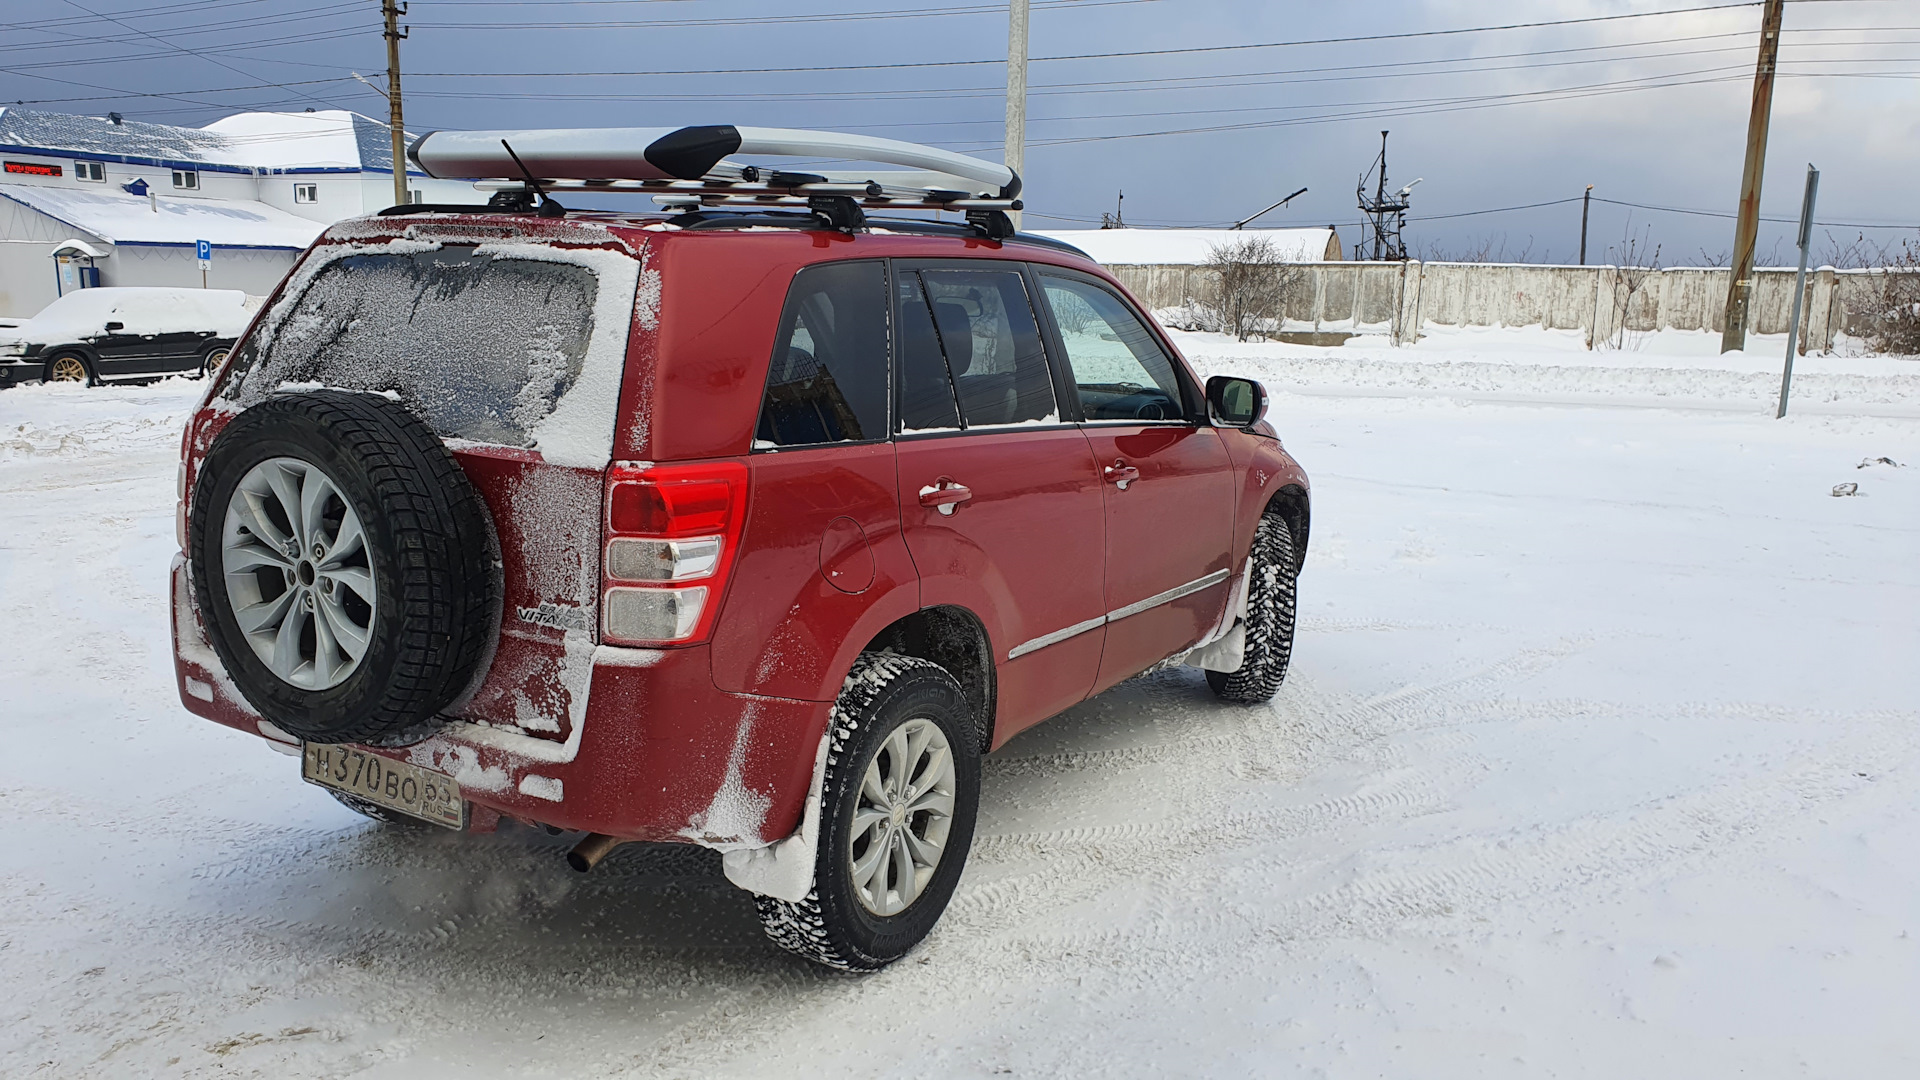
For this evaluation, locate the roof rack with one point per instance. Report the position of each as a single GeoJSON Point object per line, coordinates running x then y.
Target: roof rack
{"type": "Point", "coordinates": [687, 168]}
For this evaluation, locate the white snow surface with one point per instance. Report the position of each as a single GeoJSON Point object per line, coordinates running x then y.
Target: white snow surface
{"type": "Point", "coordinates": [120, 218]}
{"type": "Point", "coordinates": [1599, 756]}
{"type": "Point", "coordinates": [1186, 247]}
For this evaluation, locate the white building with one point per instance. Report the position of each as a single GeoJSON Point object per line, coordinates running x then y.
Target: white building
{"type": "Point", "coordinates": [131, 199]}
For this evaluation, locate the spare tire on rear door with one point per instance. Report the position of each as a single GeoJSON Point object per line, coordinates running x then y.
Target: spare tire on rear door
{"type": "Point", "coordinates": [342, 564]}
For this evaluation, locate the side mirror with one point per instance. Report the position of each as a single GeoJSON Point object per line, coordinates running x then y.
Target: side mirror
{"type": "Point", "coordinates": [1235, 402]}
{"type": "Point", "coordinates": [112, 326]}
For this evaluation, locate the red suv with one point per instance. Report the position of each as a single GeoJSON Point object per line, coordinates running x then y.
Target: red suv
{"type": "Point", "coordinates": [747, 529]}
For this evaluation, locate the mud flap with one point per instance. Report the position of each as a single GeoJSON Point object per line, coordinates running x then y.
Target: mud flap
{"type": "Point", "coordinates": [784, 868]}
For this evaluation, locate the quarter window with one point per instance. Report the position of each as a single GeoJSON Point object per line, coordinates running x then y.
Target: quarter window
{"type": "Point", "coordinates": [306, 193]}
{"type": "Point", "coordinates": [1119, 370]}
{"type": "Point", "coordinates": [828, 379]}
{"type": "Point", "coordinates": [188, 181]}
{"type": "Point", "coordinates": [89, 170]}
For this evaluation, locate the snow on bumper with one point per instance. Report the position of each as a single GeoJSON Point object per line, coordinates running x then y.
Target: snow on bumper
{"type": "Point", "coordinates": [661, 753]}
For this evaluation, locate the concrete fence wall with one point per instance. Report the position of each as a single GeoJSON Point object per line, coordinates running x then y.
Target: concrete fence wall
{"type": "Point", "coordinates": [1400, 298]}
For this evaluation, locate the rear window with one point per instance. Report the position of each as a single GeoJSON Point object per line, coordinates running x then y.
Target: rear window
{"type": "Point", "coordinates": [479, 346]}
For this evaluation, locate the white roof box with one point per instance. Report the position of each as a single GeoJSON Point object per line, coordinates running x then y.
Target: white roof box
{"type": "Point", "coordinates": [657, 156]}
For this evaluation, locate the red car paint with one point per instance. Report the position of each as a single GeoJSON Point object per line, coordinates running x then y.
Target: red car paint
{"type": "Point", "coordinates": [836, 544]}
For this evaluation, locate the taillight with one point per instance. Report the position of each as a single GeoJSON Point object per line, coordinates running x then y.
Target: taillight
{"type": "Point", "coordinates": [672, 534]}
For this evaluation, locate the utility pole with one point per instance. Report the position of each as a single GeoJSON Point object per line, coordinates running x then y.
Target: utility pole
{"type": "Point", "coordinates": [1747, 228]}
{"type": "Point", "coordinates": [1016, 146]}
{"type": "Point", "coordinates": [1586, 202]}
{"type": "Point", "coordinates": [393, 9]}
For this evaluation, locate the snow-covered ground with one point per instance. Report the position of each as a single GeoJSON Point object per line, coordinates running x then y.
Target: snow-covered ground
{"type": "Point", "coordinates": [1600, 757]}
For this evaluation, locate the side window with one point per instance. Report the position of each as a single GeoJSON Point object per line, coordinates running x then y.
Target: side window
{"type": "Point", "coordinates": [828, 379]}
{"type": "Point", "coordinates": [1119, 369]}
{"type": "Point", "coordinates": [926, 386]}
{"type": "Point", "coordinates": [986, 330]}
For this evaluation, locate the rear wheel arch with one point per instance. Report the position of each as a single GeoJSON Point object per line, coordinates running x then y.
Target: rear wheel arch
{"type": "Point", "coordinates": [955, 639]}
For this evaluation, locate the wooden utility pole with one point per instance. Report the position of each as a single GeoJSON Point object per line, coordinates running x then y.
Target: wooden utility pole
{"type": "Point", "coordinates": [1586, 203]}
{"type": "Point", "coordinates": [393, 9]}
{"type": "Point", "coordinates": [1016, 152]}
{"type": "Point", "coordinates": [1746, 230]}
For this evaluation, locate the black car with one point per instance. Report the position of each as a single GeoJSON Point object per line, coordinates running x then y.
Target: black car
{"type": "Point", "coordinates": [119, 334]}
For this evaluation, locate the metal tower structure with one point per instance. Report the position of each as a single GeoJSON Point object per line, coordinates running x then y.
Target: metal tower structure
{"type": "Point", "coordinates": [1386, 214]}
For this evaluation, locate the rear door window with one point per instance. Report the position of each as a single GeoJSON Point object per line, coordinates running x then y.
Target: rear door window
{"type": "Point", "coordinates": [983, 324]}
{"type": "Point", "coordinates": [479, 346]}
{"type": "Point", "coordinates": [828, 379]}
{"type": "Point", "coordinates": [1119, 370]}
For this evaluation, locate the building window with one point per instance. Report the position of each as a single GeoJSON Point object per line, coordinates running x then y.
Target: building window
{"type": "Point", "coordinates": [89, 170]}
{"type": "Point", "coordinates": [186, 180]}
{"type": "Point", "coordinates": [306, 193]}
{"type": "Point", "coordinates": [415, 195]}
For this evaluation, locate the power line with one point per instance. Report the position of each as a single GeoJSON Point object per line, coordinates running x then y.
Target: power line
{"type": "Point", "coordinates": [775, 20]}
{"type": "Point", "coordinates": [1133, 54]}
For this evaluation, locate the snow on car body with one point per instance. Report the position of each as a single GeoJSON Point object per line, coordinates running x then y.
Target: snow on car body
{"type": "Point", "coordinates": [739, 481]}
{"type": "Point", "coordinates": [118, 333]}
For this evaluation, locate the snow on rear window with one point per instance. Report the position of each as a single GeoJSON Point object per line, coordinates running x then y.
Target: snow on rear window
{"type": "Point", "coordinates": [478, 345]}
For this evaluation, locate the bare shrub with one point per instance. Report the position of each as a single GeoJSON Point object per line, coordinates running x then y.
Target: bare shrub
{"type": "Point", "coordinates": [1896, 326]}
{"type": "Point", "coordinates": [1255, 283]}
{"type": "Point", "coordinates": [1487, 249]}
{"type": "Point", "coordinates": [1638, 261]}
{"type": "Point", "coordinates": [1192, 315]}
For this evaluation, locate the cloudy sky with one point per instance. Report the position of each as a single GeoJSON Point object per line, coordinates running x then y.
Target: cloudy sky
{"type": "Point", "coordinates": [1221, 107]}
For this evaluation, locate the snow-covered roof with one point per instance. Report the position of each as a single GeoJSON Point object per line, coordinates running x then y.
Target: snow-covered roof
{"type": "Point", "coordinates": [1191, 247]}
{"type": "Point", "coordinates": [333, 139]}
{"type": "Point", "coordinates": [129, 219]}
{"type": "Point", "coordinates": [305, 140]}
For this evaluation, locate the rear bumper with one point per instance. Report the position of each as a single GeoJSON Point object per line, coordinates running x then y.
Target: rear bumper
{"type": "Point", "coordinates": [662, 754]}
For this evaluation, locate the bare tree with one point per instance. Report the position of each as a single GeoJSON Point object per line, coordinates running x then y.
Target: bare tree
{"type": "Point", "coordinates": [1255, 283]}
{"type": "Point", "coordinates": [1637, 263]}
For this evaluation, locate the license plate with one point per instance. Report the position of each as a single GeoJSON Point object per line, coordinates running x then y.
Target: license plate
{"type": "Point", "coordinates": [411, 790]}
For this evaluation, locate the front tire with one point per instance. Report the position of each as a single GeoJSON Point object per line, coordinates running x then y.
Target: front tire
{"type": "Point", "coordinates": [68, 367]}
{"type": "Point", "coordinates": [1269, 621]}
{"type": "Point", "coordinates": [898, 802]}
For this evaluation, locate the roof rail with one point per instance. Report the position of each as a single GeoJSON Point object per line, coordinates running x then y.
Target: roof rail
{"type": "Point", "coordinates": [688, 167]}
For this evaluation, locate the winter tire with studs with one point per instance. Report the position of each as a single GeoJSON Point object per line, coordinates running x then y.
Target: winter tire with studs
{"type": "Point", "coordinates": [898, 802]}
{"type": "Point", "coordinates": [1269, 620]}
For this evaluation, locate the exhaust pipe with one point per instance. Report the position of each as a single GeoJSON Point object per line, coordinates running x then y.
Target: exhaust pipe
{"type": "Point", "coordinates": [588, 852]}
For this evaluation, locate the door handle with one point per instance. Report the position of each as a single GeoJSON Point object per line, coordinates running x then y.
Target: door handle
{"type": "Point", "coordinates": [944, 494]}
{"type": "Point", "coordinates": [1120, 474]}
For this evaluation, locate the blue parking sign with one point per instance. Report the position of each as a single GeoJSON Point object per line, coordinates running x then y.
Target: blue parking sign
{"type": "Point", "coordinates": [203, 250]}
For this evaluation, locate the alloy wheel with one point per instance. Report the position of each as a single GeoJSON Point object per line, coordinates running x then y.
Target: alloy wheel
{"type": "Point", "coordinates": [298, 575]}
{"type": "Point", "coordinates": [902, 817]}
{"type": "Point", "coordinates": [66, 369]}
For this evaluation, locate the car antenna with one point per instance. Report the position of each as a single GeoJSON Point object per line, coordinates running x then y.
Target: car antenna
{"type": "Point", "coordinates": [548, 208]}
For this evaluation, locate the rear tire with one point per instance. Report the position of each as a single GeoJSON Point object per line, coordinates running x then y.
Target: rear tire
{"type": "Point", "coordinates": [1269, 621]}
{"type": "Point", "coordinates": [211, 360]}
{"type": "Point", "coordinates": [840, 923]}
